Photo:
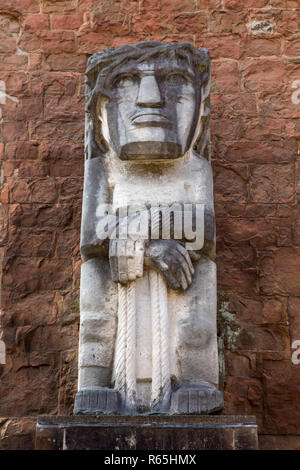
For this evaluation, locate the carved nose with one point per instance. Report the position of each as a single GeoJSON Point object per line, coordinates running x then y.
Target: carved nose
{"type": "Point", "coordinates": [149, 94]}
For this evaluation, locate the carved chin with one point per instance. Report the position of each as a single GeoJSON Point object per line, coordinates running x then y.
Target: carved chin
{"type": "Point", "coordinates": [148, 151]}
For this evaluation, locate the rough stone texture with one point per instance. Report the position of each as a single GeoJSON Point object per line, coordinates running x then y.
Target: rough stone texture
{"type": "Point", "coordinates": [146, 433]}
{"type": "Point", "coordinates": [106, 400]}
{"type": "Point", "coordinates": [203, 400]}
{"type": "Point", "coordinates": [17, 433]}
{"type": "Point", "coordinates": [255, 129]}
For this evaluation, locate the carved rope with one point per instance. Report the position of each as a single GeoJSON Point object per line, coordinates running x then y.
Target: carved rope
{"type": "Point", "coordinates": [160, 341]}
{"type": "Point", "coordinates": [160, 327]}
{"type": "Point", "coordinates": [125, 373]}
{"type": "Point", "coordinates": [125, 356]}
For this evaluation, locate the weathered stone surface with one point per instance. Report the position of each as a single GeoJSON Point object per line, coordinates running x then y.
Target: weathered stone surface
{"type": "Point", "coordinates": [41, 215]}
{"type": "Point", "coordinates": [233, 105]}
{"type": "Point", "coordinates": [229, 47]}
{"type": "Point", "coordinates": [225, 76]}
{"type": "Point", "coordinates": [257, 152]}
{"type": "Point", "coordinates": [26, 276]}
{"type": "Point", "coordinates": [264, 75]}
{"type": "Point", "coordinates": [23, 311]}
{"type": "Point", "coordinates": [281, 384]}
{"type": "Point", "coordinates": [230, 184]}
{"type": "Point", "coordinates": [17, 433]}
{"type": "Point", "coordinates": [235, 5]}
{"type": "Point", "coordinates": [279, 271]}
{"type": "Point", "coordinates": [256, 47]}
{"type": "Point", "coordinates": [65, 22]}
{"type": "Point", "coordinates": [228, 22]}
{"type": "Point", "coordinates": [36, 22]}
{"type": "Point", "coordinates": [67, 62]}
{"type": "Point", "coordinates": [272, 183]}
{"type": "Point", "coordinates": [279, 442]}
{"type": "Point", "coordinates": [29, 375]}
{"type": "Point", "coordinates": [48, 42]}
{"type": "Point", "coordinates": [68, 376]}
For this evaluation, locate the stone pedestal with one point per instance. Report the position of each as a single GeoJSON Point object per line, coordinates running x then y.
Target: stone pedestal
{"type": "Point", "coordinates": [151, 432]}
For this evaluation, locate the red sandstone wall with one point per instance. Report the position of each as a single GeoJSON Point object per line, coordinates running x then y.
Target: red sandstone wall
{"type": "Point", "coordinates": [255, 49]}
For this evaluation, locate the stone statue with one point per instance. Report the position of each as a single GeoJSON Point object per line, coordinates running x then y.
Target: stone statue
{"type": "Point", "coordinates": [148, 341]}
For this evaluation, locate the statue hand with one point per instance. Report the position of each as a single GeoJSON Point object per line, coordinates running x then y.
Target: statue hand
{"type": "Point", "coordinates": [172, 260]}
{"type": "Point", "coordinates": [126, 259]}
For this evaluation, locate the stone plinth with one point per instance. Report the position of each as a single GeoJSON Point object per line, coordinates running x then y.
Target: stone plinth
{"type": "Point", "coordinates": [152, 432]}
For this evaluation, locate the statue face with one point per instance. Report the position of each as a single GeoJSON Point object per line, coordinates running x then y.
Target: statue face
{"type": "Point", "coordinates": [152, 110]}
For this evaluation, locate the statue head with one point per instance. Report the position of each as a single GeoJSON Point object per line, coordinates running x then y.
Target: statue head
{"type": "Point", "coordinates": [148, 101]}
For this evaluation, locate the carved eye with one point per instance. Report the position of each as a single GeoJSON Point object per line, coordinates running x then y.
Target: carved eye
{"type": "Point", "coordinates": [124, 81]}
{"type": "Point", "coordinates": [175, 79]}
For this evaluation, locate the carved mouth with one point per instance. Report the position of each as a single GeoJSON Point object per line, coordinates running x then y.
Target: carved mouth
{"type": "Point", "coordinates": [150, 118]}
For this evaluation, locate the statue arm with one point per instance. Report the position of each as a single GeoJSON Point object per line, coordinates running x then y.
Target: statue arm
{"type": "Point", "coordinates": [209, 247]}
{"type": "Point", "coordinates": [95, 191]}
{"type": "Point", "coordinates": [100, 224]}
{"type": "Point", "coordinates": [205, 181]}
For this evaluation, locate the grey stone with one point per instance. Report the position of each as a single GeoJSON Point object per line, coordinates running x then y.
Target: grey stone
{"type": "Point", "coordinates": [97, 401]}
{"type": "Point", "coordinates": [148, 340]}
{"type": "Point", "coordinates": [201, 399]}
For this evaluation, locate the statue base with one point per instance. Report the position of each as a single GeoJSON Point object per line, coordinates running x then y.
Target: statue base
{"type": "Point", "coordinates": [151, 432]}
{"type": "Point", "coordinates": [203, 399]}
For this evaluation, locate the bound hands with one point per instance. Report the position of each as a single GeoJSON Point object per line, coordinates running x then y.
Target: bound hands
{"type": "Point", "coordinates": [173, 261]}
{"type": "Point", "coordinates": [169, 257]}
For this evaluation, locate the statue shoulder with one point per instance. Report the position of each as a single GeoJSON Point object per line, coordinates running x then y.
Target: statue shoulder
{"type": "Point", "coordinates": [201, 165]}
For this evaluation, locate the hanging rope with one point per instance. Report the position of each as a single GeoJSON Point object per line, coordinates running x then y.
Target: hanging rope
{"type": "Point", "coordinates": [156, 340]}
{"type": "Point", "coordinates": [120, 353]}
{"type": "Point", "coordinates": [125, 356]}
{"type": "Point", "coordinates": [131, 347]}
{"type": "Point", "coordinates": [161, 384]}
{"type": "Point", "coordinates": [164, 337]}
{"type": "Point", "coordinates": [125, 372]}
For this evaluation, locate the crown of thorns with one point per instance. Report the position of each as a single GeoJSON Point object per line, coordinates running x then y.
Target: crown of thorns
{"type": "Point", "coordinates": [103, 63]}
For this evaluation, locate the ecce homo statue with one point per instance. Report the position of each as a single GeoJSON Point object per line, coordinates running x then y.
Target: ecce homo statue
{"type": "Point", "coordinates": [148, 340]}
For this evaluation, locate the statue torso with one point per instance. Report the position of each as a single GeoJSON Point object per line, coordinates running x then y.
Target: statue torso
{"type": "Point", "coordinates": [185, 181]}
